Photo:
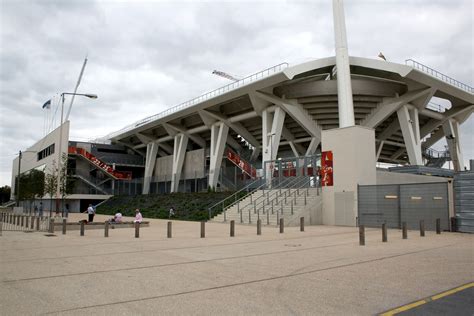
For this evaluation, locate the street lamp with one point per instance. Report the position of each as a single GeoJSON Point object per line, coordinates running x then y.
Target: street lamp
{"type": "Point", "coordinates": [88, 95]}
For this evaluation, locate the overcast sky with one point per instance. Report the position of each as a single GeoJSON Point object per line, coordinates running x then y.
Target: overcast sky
{"type": "Point", "coordinates": [146, 56]}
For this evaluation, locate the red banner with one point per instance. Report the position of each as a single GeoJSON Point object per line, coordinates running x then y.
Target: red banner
{"type": "Point", "coordinates": [327, 178]}
{"type": "Point", "coordinates": [100, 164]}
{"type": "Point", "coordinates": [242, 164]}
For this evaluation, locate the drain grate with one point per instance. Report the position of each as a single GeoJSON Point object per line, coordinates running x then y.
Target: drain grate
{"type": "Point", "coordinates": [50, 235]}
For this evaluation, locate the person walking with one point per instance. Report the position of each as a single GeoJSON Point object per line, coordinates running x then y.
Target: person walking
{"type": "Point", "coordinates": [40, 210]}
{"type": "Point", "coordinates": [91, 212]}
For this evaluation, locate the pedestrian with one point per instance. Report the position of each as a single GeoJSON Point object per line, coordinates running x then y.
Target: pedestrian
{"type": "Point", "coordinates": [138, 216]}
{"type": "Point", "coordinates": [40, 214]}
{"type": "Point", "coordinates": [171, 213]}
{"type": "Point", "coordinates": [35, 210]}
{"type": "Point", "coordinates": [91, 212]}
{"type": "Point", "coordinates": [67, 210]}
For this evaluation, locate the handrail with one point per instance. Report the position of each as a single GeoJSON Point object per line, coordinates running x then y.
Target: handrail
{"type": "Point", "coordinates": [211, 94]}
{"type": "Point", "coordinates": [439, 75]}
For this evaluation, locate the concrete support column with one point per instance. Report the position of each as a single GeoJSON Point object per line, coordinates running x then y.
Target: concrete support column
{"type": "Point", "coordinates": [408, 119]}
{"type": "Point", "coordinates": [219, 132]}
{"type": "Point", "coordinates": [344, 88]}
{"type": "Point", "coordinates": [451, 131]}
{"type": "Point", "coordinates": [272, 126]}
{"type": "Point", "coordinates": [313, 145]}
{"type": "Point", "coordinates": [179, 151]}
{"type": "Point", "coordinates": [151, 152]}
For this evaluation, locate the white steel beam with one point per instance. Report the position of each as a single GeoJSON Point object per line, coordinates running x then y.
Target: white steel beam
{"type": "Point", "coordinates": [411, 134]}
{"type": "Point", "coordinates": [344, 87]}
{"type": "Point", "coordinates": [313, 145]}
{"type": "Point", "coordinates": [151, 152]}
{"type": "Point", "coordinates": [390, 130]}
{"type": "Point", "coordinates": [219, 132]}
{"type": "Point", "coordinates": [295, 147]}
{"type": "Point", "coordinates": [379, 150]}
{"type": "Point", "coordinates": [451, 113]}
{"type": "Point", "coordinates": [390, 105]}
{"type": "Point", "coordinates": [451, 131]}
{"type": "Point", "coordinates": [182, 130]}
{"type": "Point", "coordinates": [296, 111]}
{"type": "Point", "coordinates": [272, 126]}
{"type": "Point", "coordinates": [180, 144]}
{"type": "Point", "coordinates": [258, 104]}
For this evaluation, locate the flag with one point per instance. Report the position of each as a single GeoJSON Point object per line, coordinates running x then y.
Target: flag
{"type": "Point", "coordinates": [47, 105]}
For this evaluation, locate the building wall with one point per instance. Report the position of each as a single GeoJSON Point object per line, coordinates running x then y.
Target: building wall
{"type": "Point", "coordinates": [193, 166]}
{"type": "Point", "coordinates": [29, 156]}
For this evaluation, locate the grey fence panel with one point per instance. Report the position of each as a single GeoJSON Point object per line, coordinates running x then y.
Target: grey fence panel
{"type": "Point", "coordinates": [377, 205]}
{"type": "Point", "coordinates": [464, 201]}
{"type": "Point", "coordinates": [427, 202]}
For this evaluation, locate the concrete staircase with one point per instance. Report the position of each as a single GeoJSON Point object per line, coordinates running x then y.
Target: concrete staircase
{"type": "Point", "coordinates": [271, 205]}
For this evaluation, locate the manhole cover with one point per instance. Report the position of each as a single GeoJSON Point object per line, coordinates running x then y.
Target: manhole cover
{"type": "Point", "coordinates": [292, 245]}
{"type": "Point", "coordinates": [50, 235]}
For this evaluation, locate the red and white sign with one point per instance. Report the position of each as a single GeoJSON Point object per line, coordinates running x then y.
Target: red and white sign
{"type": "Point", "coordinates": [99, 163]}
{"type": "Point", "coordinates": [327, 176]}
{"type": "Point", "coordinates": [242, 164]}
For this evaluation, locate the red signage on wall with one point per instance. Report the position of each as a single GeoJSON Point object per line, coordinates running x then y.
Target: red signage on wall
{"type": "Point", "coordinates": [327, 179]}
{"type": "Point", "coordinates": [242, 164]}
{"type": "Point", "coordinates": [100, 164]}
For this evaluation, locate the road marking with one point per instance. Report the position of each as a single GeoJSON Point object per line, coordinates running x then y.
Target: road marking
{"type": "Point", "coordinates": [427, 300]}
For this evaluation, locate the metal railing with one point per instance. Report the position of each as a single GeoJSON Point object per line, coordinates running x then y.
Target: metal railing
{"type": "Point", "coordinates": [436, 107]}
{"type": "Point", "coordinates": [22, 222]}
{"type": "Point", "coordinates": [229, 87]}
{"type": "Point", "coordinates": [432, 72]}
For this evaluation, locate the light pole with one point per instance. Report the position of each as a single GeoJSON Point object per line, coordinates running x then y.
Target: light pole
{"type": "Point", "coordinates": [88, 95]}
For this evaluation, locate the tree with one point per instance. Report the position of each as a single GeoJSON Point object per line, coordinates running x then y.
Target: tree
{"type": "Point", "coordinates": [51, 184]}
{"type": "Point", "coordinates": [66, 183]}
{"type": "Point", "coordinates": [5, 193]}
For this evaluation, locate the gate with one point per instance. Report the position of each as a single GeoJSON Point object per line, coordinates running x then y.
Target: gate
{"type": "Point", "coordinates": [394, 204]}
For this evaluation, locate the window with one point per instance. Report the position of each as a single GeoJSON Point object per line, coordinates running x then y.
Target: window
{"type": "Point", "coordinates": [48, 151]}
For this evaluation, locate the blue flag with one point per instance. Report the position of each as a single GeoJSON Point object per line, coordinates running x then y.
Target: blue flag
{"type": "Point", "coordinates": [47, 105]}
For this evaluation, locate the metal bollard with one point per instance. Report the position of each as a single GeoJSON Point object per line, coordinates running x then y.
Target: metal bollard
{"type": "Point", "coordinates": [404, 230]}
{"type": "Point", "coordinates": [106, 229]}
{"type": "Point", "coordinates": [361, 235]}
{"type": "Point", "coordinates": [259, 227]}
{"type": "Point", "coordinates": [203, 229]}
{"type": "Point", "coordinates": [384, 232]}
{"type": "Point", "coordinates": [422, 228]}
{"type": "Point", "coordinates": [268, 218]}
{"type": "Point", "coordinates": [282, 226]}
{"type": "Point", "coordinates": [82, 228]}
{"type": "Point", "coordinates": [301, 224]}
{"type": "Point", "coordinates": [64, 226]}
{"type": "Point", "coordinates": [51, 225]}
{"type": "Point", "coordinates": [169, 230]}
{"type": "Point", "coordinates": [438, 226]}
{"type": "Point", "coordinates": [232, 228]}
{"type": "Point", "coordinates": [137, 230]}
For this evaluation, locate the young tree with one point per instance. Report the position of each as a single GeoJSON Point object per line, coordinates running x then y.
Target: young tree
{"type": "Point", "coordinates": [51, 184]}
{"type": "Point", "coordinates": [5, 193]}
{"type": "Point", "coordinates": [66, 183]}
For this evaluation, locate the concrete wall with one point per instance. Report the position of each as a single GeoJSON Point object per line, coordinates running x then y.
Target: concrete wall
{"type": "Point", "coordinates": [29, 157]}
{"type": "Point", "coordinates": [193, 165]}
{"type": "Point", "coordinates": [354, 163]}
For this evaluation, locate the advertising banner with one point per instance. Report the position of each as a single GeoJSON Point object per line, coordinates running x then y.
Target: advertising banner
{"type": "Point", "coordinates": [327, 179]}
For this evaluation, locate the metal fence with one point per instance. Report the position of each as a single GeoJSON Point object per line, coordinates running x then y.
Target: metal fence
{"type": "Point", "coordinates": [397, 203]}
{"type": "Point", "coordinates": [20, 222]}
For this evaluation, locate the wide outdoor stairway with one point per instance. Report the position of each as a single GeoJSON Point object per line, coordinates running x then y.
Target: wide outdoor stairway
{"type": "Point", "coordinates": [270, 205]}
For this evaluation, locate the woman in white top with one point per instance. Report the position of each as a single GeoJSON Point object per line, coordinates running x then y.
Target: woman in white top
{"type": "Point", "coordinates": [138, 216]}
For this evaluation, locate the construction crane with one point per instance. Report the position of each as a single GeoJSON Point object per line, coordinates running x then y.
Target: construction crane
{"type": "Point", "coordinates": [224, 75]}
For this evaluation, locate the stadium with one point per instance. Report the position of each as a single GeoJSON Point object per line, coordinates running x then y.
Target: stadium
{"type": "Point", "coordinates": [291, 141]}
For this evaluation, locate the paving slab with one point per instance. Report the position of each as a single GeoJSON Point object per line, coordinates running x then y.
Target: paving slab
{"type": "Point", "coordinates": [320, 271]}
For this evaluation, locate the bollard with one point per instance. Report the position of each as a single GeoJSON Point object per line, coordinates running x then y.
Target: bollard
{"type": "Point", "coordinates": [361, 235]}
{"type": "Point", "coordinates": [453, 224]}
{"type": "Point", "coordinates": [32, 222]}
{"type": "Point", "coordinates": [64, 226]}
{"type": "Point", "coordinates": [422, 228]}
{"type": "Point", "coordinates": [169, 230]}
{"type": "Point", "coordinates": [18, 220]}
{"type": "Point", "coordinates": [404, 230]}
{"type": "Point", "coordinates": [82, 228]}
{"type": "Point", "coordinates": [282, 226]}
{"type": "Point", "coordinates": [22, 220]}
{"type": "Point", "coordinates": [27, 222]}
{"type": "Point", "coordinates": [137, 230]}
{"type": "Point", "coordinates": [438, 226]}
{"type": "Point", "coordinates": [51, 225]}
{"type": "Point", "coordinates": [301, 224]}
{"type": "Point", "coordinates": [106, 229]}
{"type": "Point", "coordinates": [203, 229]}
{"type": "Point", "coordinates": [232, 228]}
{"type": "Point", "coordinates": [1, 225]}
{"type": "Point", "coordinates": [384, 232]}
{"type": "Point", "coordinates": [38, 223]}
{"type": "Point", "coordinates": [259, 227]}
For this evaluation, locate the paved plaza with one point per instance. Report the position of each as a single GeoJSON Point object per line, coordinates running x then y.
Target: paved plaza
{"type": "Point", "coordinates": [322, 271]}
